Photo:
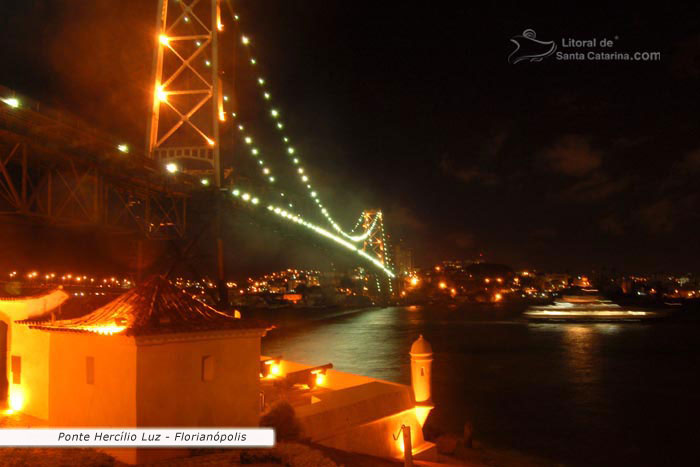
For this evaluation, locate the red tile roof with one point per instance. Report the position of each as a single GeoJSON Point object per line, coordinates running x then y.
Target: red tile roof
{"type": "Point", "coordinates": [153, 307]}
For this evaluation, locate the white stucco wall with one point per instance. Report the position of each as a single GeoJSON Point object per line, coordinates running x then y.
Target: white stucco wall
{"type": "Point", "coordinates": [171, 390]}
{"type": "Point", "coordinates": [111, 399]}
{"type": "Point", "coordinates": [32, 347]}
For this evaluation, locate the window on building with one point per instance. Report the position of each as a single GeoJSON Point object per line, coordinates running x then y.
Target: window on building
{"type": "Point", "coordinates": [16, 369]}
{"type": "Point", "coordinates": [90, 370]}
{"type": "Point", "coordinates": [207, 368]}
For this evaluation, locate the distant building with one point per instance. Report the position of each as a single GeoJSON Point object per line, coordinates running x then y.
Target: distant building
{"type": "Point", "coordinates": [403, 259]}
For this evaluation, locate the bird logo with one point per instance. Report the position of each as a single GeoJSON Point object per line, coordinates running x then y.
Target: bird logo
{"type": "Point", "coordinates": [527, 47]}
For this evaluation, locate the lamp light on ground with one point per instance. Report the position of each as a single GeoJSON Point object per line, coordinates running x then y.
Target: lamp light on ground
{"type": "Point", "coordinates": [320, 377]}
{"type": "Point", "coordinates": [16, 399]}
{"type": "Point", "coordinates": [11, 101]}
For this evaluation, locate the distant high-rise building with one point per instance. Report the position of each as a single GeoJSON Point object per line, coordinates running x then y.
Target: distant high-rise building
{"type": "Point", "coordinates": [403, 259]}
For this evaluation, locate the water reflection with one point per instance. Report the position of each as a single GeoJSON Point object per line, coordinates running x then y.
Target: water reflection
{"type": "Point", "coordinates": [581, 394]}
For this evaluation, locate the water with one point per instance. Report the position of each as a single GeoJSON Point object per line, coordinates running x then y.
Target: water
{"type": "Point", "coordinates": [577, 394]}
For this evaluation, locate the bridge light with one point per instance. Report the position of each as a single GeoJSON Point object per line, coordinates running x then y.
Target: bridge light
{"type": "Point", "coordinates": [205, 181]}
{"type": "Point", "coordinates": [207, 62]}
{"type": "Point", "coordinates": [266, 171]}
{"type": "Point", "coordinates": [255, 200]}
{"type": "Point", "coordinates": [11, 101]}
{"type": "Point", "coordinates": [210, 141]}
{"type": "Point", "coordinates": [304, 178]}
{"type": "Point", "coordinates": [171, 167]}
{"type": "Point", "coordinates": [261, 81]}
{"type": "Point", "coordinates": [236, 192]}
{"type": "Point", "coordinates": [300, 170]}
{"type": "Point", "coordinates": [248, 140]}
{"type": "Point", "coordinates": [267, 95]}
{"type": "Point", "coordinates": [245, 197]}
{"type": "Point", "coordinates": [252, 61]}
{"type": "Point", "coordinates": [285, 139]}
{"type": "Point", "coordinates": [290, 150]}
{"type": "Point", "coordinates": [254, 151]}
{"type": "Point", "coordinates": [165, 40]}
{"type": "Point", "coordinates": [198, 43]}
{"type": "Point", "coordinates": [245, 40]}
{"type": "Point", "coordinates": [235, 17]}
{"type": "Point", "coordinates": [313, 194]}
{"type": "Point", "coordinates": [279, 125]}
{"type": "Point", "coordinates": [161, 94]}
{"type": "Point", "coordinates": [123, 148]}
{"type": "Point", "coordinates": [272, 179]}
{"type": "Point", "coordinates": [274, 113]}
{"type": "Point", "coordinates": [225, 98]}
{"type": "Point", "coordinates": [187, 19]}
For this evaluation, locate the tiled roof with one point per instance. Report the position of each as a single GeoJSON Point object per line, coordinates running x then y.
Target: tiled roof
{"type": "Point", "coordinates": [154, 307]}
{"type": "Point", "coordinates": [11, 292]}
{"type": "Point", "coordinates": [73, 307]}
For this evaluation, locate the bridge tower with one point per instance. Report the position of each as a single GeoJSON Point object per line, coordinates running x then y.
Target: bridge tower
{"type": "Point", "coordinates": [187, 112]}
{"type": "Point", "coordinates": [376, 243]}
{"type": "Point", "coordinates": [187, 103]}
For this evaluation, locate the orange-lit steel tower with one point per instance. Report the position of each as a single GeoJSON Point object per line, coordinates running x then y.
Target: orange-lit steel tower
{"type": "Point", "coordinates": [376, 242]}
{"type": "Point", "coordinates": [183, 127]}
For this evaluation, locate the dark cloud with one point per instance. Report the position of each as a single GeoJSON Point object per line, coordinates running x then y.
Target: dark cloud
{"type": "Point", "coordinates": [572, 155]}
{"type": "Point", "coordinates": [463, 240]}
{"type": "Point", "coordinates": [611, 225]}
{"type": "Point", "coordinates": [691, 162]}
{"type": "Point", "coordinates": [595, 187]}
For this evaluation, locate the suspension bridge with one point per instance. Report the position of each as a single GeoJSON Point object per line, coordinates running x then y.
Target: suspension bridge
{"type": "Point", "coordinates": [200, 144]}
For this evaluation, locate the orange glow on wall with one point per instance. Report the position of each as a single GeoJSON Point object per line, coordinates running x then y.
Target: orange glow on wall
{"type": "Point", "coordinates": [292, 297]}
{"type": "Point", "coordinates": [320, 378]}
{"type": "Point", "coordinates": [105, 330]}
{"type": "Point", "coordinates": [422, 412]}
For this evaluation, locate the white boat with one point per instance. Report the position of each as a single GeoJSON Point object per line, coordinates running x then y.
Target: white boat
{"type": "Point", "coordinates": [593, 308]}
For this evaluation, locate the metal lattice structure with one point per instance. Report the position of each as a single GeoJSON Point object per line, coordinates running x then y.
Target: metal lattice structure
{"type": "Point", "coordinates": [57, 170]}
{"type": "Point", "coordinates": [187, 99]}
{"type": "Point", "coordinates": [374, 244]}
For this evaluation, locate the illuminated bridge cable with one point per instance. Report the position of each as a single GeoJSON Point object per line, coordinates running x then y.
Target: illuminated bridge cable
{"type": "Point", "coordinates": [275, 115]}
{"type": "Point", "coordinates": [297, 219]}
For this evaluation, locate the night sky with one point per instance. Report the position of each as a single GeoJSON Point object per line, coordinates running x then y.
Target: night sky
{"type": "Point", "coordinates": [414, 109]}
